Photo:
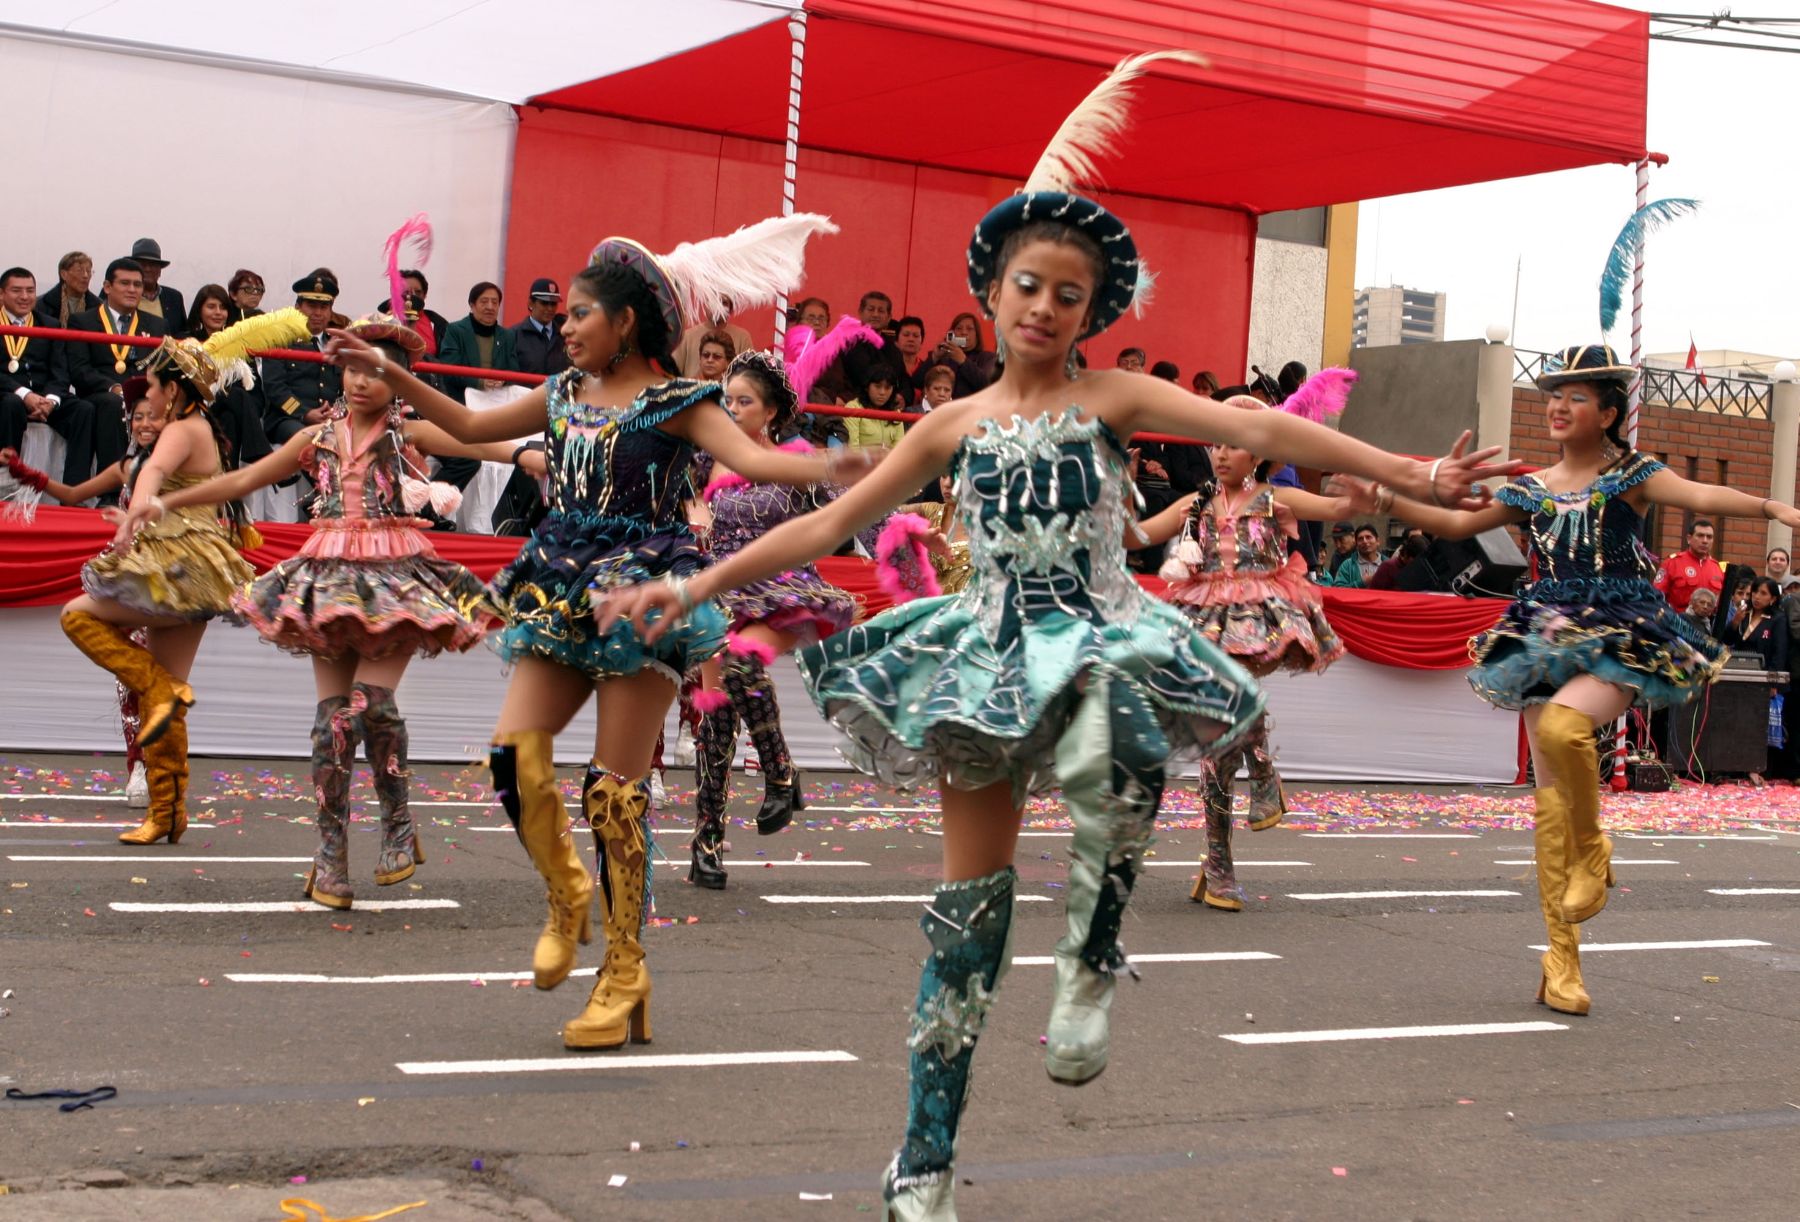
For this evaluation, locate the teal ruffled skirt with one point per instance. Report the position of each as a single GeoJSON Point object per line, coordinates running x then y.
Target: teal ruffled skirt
{"type": "Point", "coordinates": [923, 692]}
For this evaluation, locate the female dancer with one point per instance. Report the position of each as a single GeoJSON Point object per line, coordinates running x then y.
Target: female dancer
{"type": "Point", "coordinates": [364, 594]}
{"type": "Point", "coordinates": [620, 433]}
{"type": "Point", "coordinates": [180, 572]}
{"type": "Point", "coordinates": [768, 618]}
{"type": "Point", "coordinates": [1590, 637]}
{"type": "Point", "coordinates": [1052, 665]}
{"type": "Point", "coordinates": [1233, 574]}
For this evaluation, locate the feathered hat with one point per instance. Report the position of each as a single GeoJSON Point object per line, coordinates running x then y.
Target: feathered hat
{"type": "Point", "coordinates": [218, 362]}
{"type": "Point", "coordinates": [783, 402]}
{"type": "Point", "coordinates": [1052, 193]}
{"type": "Point", "coordinates": [1584, 363]}
{"type": "Point", "coordinates": [709, 280]}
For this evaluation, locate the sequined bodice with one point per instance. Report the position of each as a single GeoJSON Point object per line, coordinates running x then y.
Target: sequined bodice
{"type": "Point", "coordinates": [744, 513]}
{"type": "Point", "coordinates": [1591, 532]}
{"type": "Point", "coordinates": [614, 462]}
{"type": "Point", "coordinates": [1044, 505]}
{"type": "Point", "coordinates": [366, 485]}
{"type": "Point", "coordinates": [1258, 544]}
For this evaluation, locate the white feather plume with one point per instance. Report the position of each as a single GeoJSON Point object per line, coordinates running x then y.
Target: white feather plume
{"type": "Point", "coordinates": [1092, 128]}
{"type": "Point", "coordinates": [1145, 290]}
{"type": "Point", "coordinates": [747, 268]}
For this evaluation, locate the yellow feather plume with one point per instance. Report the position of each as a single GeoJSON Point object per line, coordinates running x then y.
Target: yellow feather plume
{"type": "Point", "coordinates": [279, 329]}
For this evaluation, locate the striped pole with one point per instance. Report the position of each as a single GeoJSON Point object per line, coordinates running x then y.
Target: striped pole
{"type": "Point", "coordinates": [1620, 780]}
{"type": "Point", "coordinates": [790, 158]}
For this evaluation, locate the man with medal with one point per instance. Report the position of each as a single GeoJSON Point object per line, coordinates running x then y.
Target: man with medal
{"type": "Point", "coordinates": [29, 389]}
{"type": "Point", "coordinates": [97, 371]}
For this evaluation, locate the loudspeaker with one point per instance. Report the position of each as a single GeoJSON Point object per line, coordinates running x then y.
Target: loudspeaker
{"type": "Point", "coordinates": [1487, 566]}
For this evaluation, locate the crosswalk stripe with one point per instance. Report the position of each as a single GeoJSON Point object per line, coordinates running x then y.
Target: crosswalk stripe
{"type": "Point", "coordinates": [1753, 890]}
{"type": "Point", "coordinates": [153, 858]}
{"type": "Point", "coordinates": [1589, 948]}
{"type": "Point", "coordinates": [1239, 864]}
{"type": "Point", "coordinates": [686, 1060]}
{"type": "Point", "coordinates": [1397, 895]}
{"type": "Point", "coordinates": [287, 906]}
{"type": "Point", "coordinates": [1617, 861]}
{"type": "Point", "coordinates": [1391, 835]}
{"type": "Point", "coordinates": [70, 826]}
{"type": "Point", "coordinates": [1210, 956]}
{"type": "Point", "coordinates": [1388, 1033]}
{"type": "Point", "coordinates": [880, 899]}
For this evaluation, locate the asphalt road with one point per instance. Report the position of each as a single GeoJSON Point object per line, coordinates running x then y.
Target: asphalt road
{"type": "Point", "coordinates": [399, 1055]}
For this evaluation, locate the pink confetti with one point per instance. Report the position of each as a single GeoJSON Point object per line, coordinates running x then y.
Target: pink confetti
{"type": "Point", "coordinates": [1340, 1171]}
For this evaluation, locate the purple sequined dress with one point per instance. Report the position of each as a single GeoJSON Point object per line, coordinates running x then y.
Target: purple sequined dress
{"type": "Point", "coordinates": [798, 601]}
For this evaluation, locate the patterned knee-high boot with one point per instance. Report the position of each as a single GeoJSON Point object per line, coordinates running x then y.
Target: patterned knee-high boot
{"type": "Point", "coordinates": [619, 1006]}
{"type": "Point", "coordinates": [714, 746]}
{"type": "Point", "coordinates": [1267, 802]}
{"type": "Point", "coordinates": [1217, 886]}
{"type": "Point", "coordinates": [1110, 762]}
{"type": "Point", "coordinates": [969, 925]}
{"type": "Point", "coordinates": [334, 752]}
{"type": "Point", "coordinates": [746, 678]}
{"type": "Point", "coordinates": [384, 741]}
{"type": "Point", "coordinates": [525, 782]}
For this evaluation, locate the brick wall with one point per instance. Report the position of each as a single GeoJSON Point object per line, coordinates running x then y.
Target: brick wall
{"type": "Point", "coordinates": [1706, 446]}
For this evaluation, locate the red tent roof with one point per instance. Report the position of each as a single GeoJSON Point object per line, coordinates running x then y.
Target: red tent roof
{"type": "Point", "coordinates": [1306, 102]}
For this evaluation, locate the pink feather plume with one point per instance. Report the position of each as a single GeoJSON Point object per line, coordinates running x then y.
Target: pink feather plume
{"type": "Point", "coordinates": [748, 647]}
{"type": "Point", "coordinates": [809, 356]}
{"type": "Point", "coordinates": [1322, 395]}
{"type": "Point", "coordinates": [902, 562]}
{"type": "Point", "coordinates": [731, 479]}
{"type": "Point", "coordinates": [707, 700]}
{"type": "Point", "coordinates": [416, 230]}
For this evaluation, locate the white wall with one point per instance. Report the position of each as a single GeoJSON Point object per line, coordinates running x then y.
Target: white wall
{"type": "Point", "coordinates": [230, 169]}
{"type": "Point", "coordinates": [1287, 306]}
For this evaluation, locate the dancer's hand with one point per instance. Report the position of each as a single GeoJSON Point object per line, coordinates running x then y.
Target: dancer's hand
{"type": "Point", "coordinates": [1365, 495]}
{"type": "Point", "coordinates": [129, 523]}
{"type": "Point", "coordinates": [652, 608]}
{"type": "Point", "coordinates": [1451, 482]}
{"type": "Point", "coordinates": [1787, 515]}
{"type": "Point", "coordinates": [845, 465]}
{"type": "Point", "coordinates": [353, 352]}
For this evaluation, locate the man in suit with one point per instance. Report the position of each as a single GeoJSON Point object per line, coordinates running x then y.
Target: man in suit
{"type": "Point", "coordinates": [158, 298]}
{"type": "Point", "coordinates": [97, 371]}
{"type": "Point", "coordinates": [29, 391]}
{"type": "Point", "coordinates": [537, 338]}
{"type": "Point", "coordinates": [297, 393]}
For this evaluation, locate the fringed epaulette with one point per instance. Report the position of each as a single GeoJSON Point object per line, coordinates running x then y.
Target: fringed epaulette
{"type": "Point", "coordinates": [1628, 474]}
{"type": "Point", "coordinates": [666, 400]}
{"type": "Point", "coordinates": [1519, 495]}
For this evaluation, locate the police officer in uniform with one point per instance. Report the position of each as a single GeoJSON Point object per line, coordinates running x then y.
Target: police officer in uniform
{"type": "Point", "coordinates": [297, 393]}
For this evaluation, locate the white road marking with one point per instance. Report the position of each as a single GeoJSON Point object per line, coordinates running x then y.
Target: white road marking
{"type": "Point", "coordinates": [1588, 948]}
{"type": "Point", "coordinates": [755, 863]}
{"type": "Point", "coordinates": [932, 831]}
{"type": "Point", "coordinates": [1397, 895]}
{"type": "Point", "coordinates": [1753, 890]}
{"type": "Point", "coordinates": [1240, 863]}
{"type": "Point", "coordinates": [1688, 836]}
{"type": "Point", "coordinates": [285, 906]}
{"type": "Point", "coordinates": [1391, 835]}
{"type": "Point", "coordinates": [150, 859]}
{"type": "Point", "coordinates": [76, 827]}
{"type": "Point", "coordinates": [687, 1060]}
{"type": "Point", "coordinates": [1212, 956]}
{"type": "Point", "coordinates": [881, 899]}
{"type": "Point", "coordinates": [1388, 1033]}
{"type": "Point", "coordinates": [1617, 861]}
{"type": "Point", "coordinates": [66, 797]}
{"type": "Point", "coordinates": [879, 810]}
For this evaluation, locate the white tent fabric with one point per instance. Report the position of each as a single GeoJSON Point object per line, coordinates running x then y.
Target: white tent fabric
{"type": "Point", "coordinates": [500, 50]}
{"type": "Point", "coordinates": [256, 701]}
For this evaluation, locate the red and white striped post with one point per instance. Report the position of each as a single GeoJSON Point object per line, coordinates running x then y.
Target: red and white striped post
{"type": "Point", "coordinates": [790, 160]}
{"type": "Point", "coordinates": [1633, 404]}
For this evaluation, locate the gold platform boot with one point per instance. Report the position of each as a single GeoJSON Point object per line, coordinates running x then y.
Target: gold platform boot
{"type": "Point", "coordinates": [1559, 985]}
{"type": "Point", "coordinates": [619, 1007]}
{"type": "Point", "coordinates": [525, 780]}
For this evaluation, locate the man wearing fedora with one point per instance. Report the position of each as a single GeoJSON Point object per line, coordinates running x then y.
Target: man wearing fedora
{"type": "Point", "coordinates": [537, 338]}
{"type": "Point", "coordinates": [158, 298]}
{"type": "Point", "coordinates": [298, 392]}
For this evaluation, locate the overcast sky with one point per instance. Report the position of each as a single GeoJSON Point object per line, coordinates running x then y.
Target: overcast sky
{"type": "Point", "coordinates": [1730, 274]}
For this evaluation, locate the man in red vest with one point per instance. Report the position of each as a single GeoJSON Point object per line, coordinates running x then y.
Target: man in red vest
{"type": "Point", "coordinates": [1692, 568]}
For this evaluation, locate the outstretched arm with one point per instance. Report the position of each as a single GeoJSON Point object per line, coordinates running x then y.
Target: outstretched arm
{"type": "Point", "coordinates": [1152, 405]}
{"type": "Point", "coordinates": [1444, 523]}
{"type": "Point", "coordinates": [921, 455]}
{"type": "Point", "coordinates": [709, 427]}
{"type": "Point", "coordinates": [105, 481]}
{"type": "Point", "coordinates": [1668, 488]}
{"type": "Point", "coordinates": [434, 440]}
{"type": "Point", "coordinates": [1159, 527]}
{"type": "Point", "coordinates": [522, 418]}
{"type": "Point", "coordinates": [1310, 507]}
{"type": "Point", "coordinates": [235, 485]}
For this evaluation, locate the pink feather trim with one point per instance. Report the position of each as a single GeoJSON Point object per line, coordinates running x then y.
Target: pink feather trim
{"type": "Point", "coordinates": [902, 562]}
{"type": "Point", "coordinates": [706, 700]}
{"type": "Point", "coordinates": [809, 355]}
{"type": "Point", "coordinates": [1324, 394]}
{"type": "Point", "coordinates": [416, 230]}
{"type": "Point", "coordinates": [731, 479]}
{"type": "Point", "coordinates": [746, 647]}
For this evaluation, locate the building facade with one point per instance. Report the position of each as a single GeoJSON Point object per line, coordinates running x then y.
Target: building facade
{"type": "Point", "coordinates": [1396, 315]}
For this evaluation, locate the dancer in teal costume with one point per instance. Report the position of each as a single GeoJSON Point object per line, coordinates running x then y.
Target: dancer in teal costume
{"type": "Point", "coordinates": [1052, 665]}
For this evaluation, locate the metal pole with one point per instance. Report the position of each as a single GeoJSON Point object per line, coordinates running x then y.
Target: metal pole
{"type": "Point", "coordinates": [791, 155]}
{"type": "Point", "coordinates": [1633, 403]}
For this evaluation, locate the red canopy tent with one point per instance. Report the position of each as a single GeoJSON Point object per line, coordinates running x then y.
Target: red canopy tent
{"type": "Point", "coordinates": [918, 114]}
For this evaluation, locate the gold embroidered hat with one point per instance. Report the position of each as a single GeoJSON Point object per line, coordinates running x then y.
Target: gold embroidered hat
{"type": "Point", "coordinates": [220, 361]}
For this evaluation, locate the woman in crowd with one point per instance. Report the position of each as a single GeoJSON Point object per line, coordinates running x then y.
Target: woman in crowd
{"type": "Point", "coordinates": [1233, 574]}
{"type": "Point", "coordinates": [172, 576]}
{"type": "Point", "coordinates": [716, 350]}
{"type": "Point", "coordinates": [1053, 665]}
{"type": "Point", "coordinates": [1591, 637]}
{"type": "Point", "coordinates": [768, 619]}
{"type": "Point", "coordinates": [962, 351]}
{"type": "Point", "coordinates": [238, 408]}
{"type": "Point", "coordinates": [365, 593]}
{"type": "Point", "coordinates": [1762, 630]}
{"type": "Point", "coordinates": [877, 394]}
{"type": "Point", "coordinates": [620, 433]}
{"type": "Point", "coordinates": [246, 290]}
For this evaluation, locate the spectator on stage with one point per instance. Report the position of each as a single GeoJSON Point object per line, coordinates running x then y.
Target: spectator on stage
{"type": "Point", "coordinates": [862, 359]}
{"type": "Point", "coordinates": [1779, 568]}
{"type": "Point", "coordinates": [877, 393]}
{"type": "Point", "coordinates": [418, 286]}
{"type": "Point", "coordinates": [538, 338]}
{"type": "Point", "coordinates": [1206, 384]}
{"type": "Point", "coordinates": [477, 340]}
{"type": "Point", "coordinates": [236, 409]}
{"type": "Point", "coordinates": [1387, 577]}
{"type": "Point", "coordinates": [814, 312]}
{"type": "Point", "coordinates": [716, 350]}
{"type": "Point", "coordinates": [1692, 568]}
{"type": "Point", "coordinates": [1168, 371]}
{"type": "Point", "coordinates": [246, 289]}
{"type": "Point", "coordinates": [1358, 569]}
{"type": "Point", "coordinates": [30, 391]}
{"type": "Point", "coordinates": [1761, 628]}
{"type": "Point", "coordinates": [1132, 360]}
{"type": "Point", "coordinates": [687, 353]}
{"type": "Point", "coordinates": [69, 296]}
{"type": "Point", "coordinates": [937, 387]}
{"type": "Point", "coordinates": [97, 371]}
{"type": "Point", "coordinates": [962, 351]}
{"type": "Point", "coordinates": [158, 298]}
{"type": "Point", "coordinates": [1702, 608]}
{"type": "Point", "coordinates": [909, 342]}
{"type": "Point", "coordinates": [297, 393]}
